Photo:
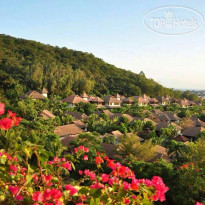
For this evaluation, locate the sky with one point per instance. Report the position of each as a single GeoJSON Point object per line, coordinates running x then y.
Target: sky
{"type": "Point", "coordinates": [113, 30]}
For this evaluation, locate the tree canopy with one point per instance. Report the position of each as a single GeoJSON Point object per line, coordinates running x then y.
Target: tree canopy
{"type": "Point", "coordinates": [26, 65]}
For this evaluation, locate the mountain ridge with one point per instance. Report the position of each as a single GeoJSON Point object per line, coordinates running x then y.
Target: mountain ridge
{"type": "Point", "coordinates": [32, 65]}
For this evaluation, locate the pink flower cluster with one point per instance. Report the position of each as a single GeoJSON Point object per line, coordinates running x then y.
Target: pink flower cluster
{"type": "Point", "coordinates": [14, 190]}
{"type": "Point", "coordinates": [7, 122]}
{"type": "Point", "coordinates": [198, 203]}
{"type": "Point", "coordinates": [51, 193]}
{"type": "Point", "coordinates": [82, 149]}
{"type": "Point", "coordinates": [72, 189]}
{"type": "Point", "coordinates": [48, 196]}
{"type": "Point", "coordinates": [61, 162]}
{"type": "Point", "coordinates": [90, 174]}
{"type": "Point", "coordinates": [117, 176]}
{"type": "Point", "coordinates": [9, 157]}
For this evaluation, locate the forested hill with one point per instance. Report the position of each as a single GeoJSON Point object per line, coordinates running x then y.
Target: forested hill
{"type": "Point", "coordinates": [26, 65]}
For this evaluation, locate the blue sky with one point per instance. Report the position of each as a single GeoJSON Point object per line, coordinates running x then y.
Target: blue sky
{"type": "Point", "coordinates": [114, 31]}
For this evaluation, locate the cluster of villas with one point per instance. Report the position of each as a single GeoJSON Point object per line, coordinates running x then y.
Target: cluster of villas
{"type": "Point", "coordinates": [114, 101]}
{"type": "Point", "coordinates": [160, 119]}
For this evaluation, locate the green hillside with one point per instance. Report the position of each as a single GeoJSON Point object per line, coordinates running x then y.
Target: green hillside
{"type": "Point", "coordinates": [26, 65]}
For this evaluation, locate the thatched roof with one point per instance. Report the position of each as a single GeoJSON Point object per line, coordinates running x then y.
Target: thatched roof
{"type": "Point", "coordinates": [145, 96]}
{"type": "Point", "coordinates": [80, 124]}
{"type": "Point", "coordinates": [110, 149]}
{"type": "Point", "coordinates": [148, 119]}
{"type": "Point", "coordinates": [139, 138]}
{"type": "Point", "coordinates": [116, 134]}
{"type": "Point", "coordinates": [181, 138]}
{"type": "Point", "coordinates": [95, 99]}
{"type": "Point", "coordinates": [160, 152]}
{"type": "Point", "coordinates": [192, 131]}
{"type": "Point", "coordinates": [153, 101]}
{"type": "Point", "coordinates": [162, 99]}
{"type": "Point", "coordinates": [127, 100]}
{"type": "Point", "coordinates": [111, 99]}
{"type": "Point", "coordinates": [70, 129]}
{"type": "Point", "coordinates": [141, 100]}
{"type": "Point", "coordinates": [45, 114]}
{"type": "Point", "coordinates": [184, 102]}
{"type": "Point", "coordinates": [33, 94]}
{"type": "Point", "coordinates": [117, 95]}
{"type": "Point", "coordinates": [161, 125]}
{"type": "Point", "coordinates": [129, 117]}
{"type": "Point", "coordinates": [74, 99]}
{"type": "Point", "coordinates": [172, 116]}
{"type": "Point", "coordinates": [178, 127]}
{"type": "Point", "coordinates": [77, 115]}
{"type": "Point", "coordinates": [44, 91]}
{"type": "Point", "coordinates": [66, 141]}
{"type": "Point", "coordinates": [197, 122]}
{"type": "Point", "coordinates": [164, 118]}
{"type": "Point", "coordinates": [84, 95]}
{"type": "Point", "coordinates": [157, 112]}
{"type": "Point", "coordinates": [107, 112]}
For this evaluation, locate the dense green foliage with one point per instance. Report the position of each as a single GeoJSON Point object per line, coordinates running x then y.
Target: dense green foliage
{"type": "Point", "coordinates": [26, 65]}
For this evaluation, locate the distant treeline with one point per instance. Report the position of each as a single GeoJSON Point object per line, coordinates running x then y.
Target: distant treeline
{"type": "Point", "coordinates": [26, 65]}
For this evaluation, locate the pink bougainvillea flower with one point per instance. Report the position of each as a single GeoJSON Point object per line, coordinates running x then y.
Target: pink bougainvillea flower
{"type": "Point", "coordinates": [35, 178]}
{"type": "Point", "coordinates": [126, 201]}
{"type": "Point", "coordinates": [2, 108]}
{"type": "Point", "coordinates": [16, 120]}
{"type": "Point", "coordinates": [19, 198]}
{"type": "Point", "coordinates": [56, 160]}
{"type": "Point", "coordinates": [13, 168]}
{"type": "Point", "coordinates": [135, 185]}
{"type": "Point", "coordinates": [198, 203]}
{"type": "Point", "coordinates": [104, 178]}
{"type": "Point", "coordinates": [160, 187]}
{"type": "Point", "coordinates": [90, 174]}
{"type": "Point", "coordinates": [85, 157]}
{"type": "Point", "coordinates": [126, 185]}
{"type": "Point", "coordinates": [37, 196]}
{"type": "Point", "coordinates": [86, 149]}
{"type": "Point", "coordinates": [13, 189]}
{"type": "Point", "coordinates": [67, 165]}
{"type": "Point", "coordinates": [111, 164]}
{"type": "Point", "coordinates": [56, 194]}
{"type": "Point", "coordinates": [5, 123]}
{"type": "Point", "coordinates": [50, 194]}
{"type": "Point", "coordinates": [98, 160]}
{"type": "Point", "coordinates": [11, 114]}
{"type": "Point", "coordinates": [96, 185]}
{"type": "Point", "coordinates": [47, 179]}
{"type": "Point", "coordinates": [72, 189]}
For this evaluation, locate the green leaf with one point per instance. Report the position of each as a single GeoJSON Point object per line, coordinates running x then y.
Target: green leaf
{"type": "Point", "coordinates": [92, 201]}
{"type": "Point", "coordinates": [84, 190]}
{"type": "Point", "coordinates": [28, 179]}
{"type": "Point", "coordinates": [3, 159]}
